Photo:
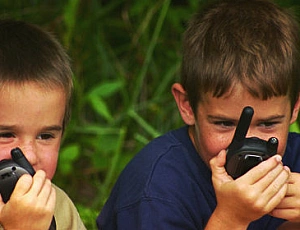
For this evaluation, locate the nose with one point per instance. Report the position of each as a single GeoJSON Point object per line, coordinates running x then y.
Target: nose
{"type": "Point", "coordinates": [250, 133]}
{"type": "Point", "coordinates": [30, 152]}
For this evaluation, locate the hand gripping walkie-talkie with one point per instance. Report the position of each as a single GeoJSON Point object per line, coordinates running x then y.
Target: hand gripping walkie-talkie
{"type": "Point", "coordinates": [245, 153]}
{"type": "Point", "coordinates": [10, 172]}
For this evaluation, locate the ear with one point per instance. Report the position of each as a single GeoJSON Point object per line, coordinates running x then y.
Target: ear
{"type": "Point", "coordinates": [295, 110]}
{"type": "Point", "coordinates": [183, 104]}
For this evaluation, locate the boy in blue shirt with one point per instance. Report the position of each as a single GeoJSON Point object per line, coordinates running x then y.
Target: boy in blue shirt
{"type": "Point", "coordinates": [235, 54]}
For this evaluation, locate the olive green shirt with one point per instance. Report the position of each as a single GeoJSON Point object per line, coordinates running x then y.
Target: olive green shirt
{"type": "Point", "coordinates": [66, 214]}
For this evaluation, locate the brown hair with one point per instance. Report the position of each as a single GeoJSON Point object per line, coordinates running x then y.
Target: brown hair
{"type": "Point", "coordinates": [252, 42]}
{"type": "Point", "coordinates": [29, 53]}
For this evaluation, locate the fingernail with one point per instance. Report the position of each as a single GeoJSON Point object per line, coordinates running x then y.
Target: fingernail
{"type": "Point", "coordinates": [278, 158]}
{"type": "Point", "coordinates": [287, 168]}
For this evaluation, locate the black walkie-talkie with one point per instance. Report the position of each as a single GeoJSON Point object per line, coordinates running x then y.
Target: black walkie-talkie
{"type": "Point", "coordinates": [245, 153]}
{"type": "Point", "coordinates": [11, 171]}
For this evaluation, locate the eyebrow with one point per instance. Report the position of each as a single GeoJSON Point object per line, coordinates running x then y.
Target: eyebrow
{"type": "Point", "coordinates": [46, 128]}
{"type": "Point", "coordinates": [271, 118]}
{"type": "Point", "coordinates": [53, 128]}
{"type": "Point", "coordinates": [275, 117]}
{"type": "Point", "coordinates": [4, 127]}
{"type": "Point", "coordinates": [211, 117]}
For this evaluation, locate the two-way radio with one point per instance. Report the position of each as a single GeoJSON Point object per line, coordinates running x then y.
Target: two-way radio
{"type": "Point", "coordinates": [245, 153]}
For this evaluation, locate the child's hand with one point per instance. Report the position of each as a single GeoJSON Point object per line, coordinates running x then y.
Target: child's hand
{"type": "Point", "coordinates": [31, 205]}
{"type": "Point", "coordinates": [289, 207]}
{"type": "Point", "coordinates": [250, 196]}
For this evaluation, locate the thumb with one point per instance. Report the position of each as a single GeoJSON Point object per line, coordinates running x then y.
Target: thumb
{"type": "Point", "coordinates": [218, 170]}
{"type": "Point", "coordinates": [219, 160]}
{"type": "Point", "coordinates": [1, 203]}
{"type": "Point", "coordinates": [23, 186]}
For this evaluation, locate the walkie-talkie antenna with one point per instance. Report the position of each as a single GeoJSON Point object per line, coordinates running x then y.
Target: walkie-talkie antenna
{"type": "Point", "coordinates": [18, 156]}
{"type": "Point", "coordinates": [242, 127]}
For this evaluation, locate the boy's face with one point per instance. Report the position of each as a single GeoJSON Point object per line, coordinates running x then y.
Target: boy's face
{"type": "Point", "coordinates": [213, 126]}
{"type": "Point", "coordinates": [31, 118]}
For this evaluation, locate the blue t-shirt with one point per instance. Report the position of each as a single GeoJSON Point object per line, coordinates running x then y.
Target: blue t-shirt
{"type": "Point", "coordinates": [168, 186]}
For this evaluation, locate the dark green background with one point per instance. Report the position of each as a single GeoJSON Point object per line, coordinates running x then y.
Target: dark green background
{"type": "Point", "coordinates": [125, 56]}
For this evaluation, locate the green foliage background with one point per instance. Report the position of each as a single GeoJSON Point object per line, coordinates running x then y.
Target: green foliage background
{"type": "Point", "coordinates": [125, 55]}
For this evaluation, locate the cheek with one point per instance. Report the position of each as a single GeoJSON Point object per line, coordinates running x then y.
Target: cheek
{"type": "Point", "coordinates": [209, 144]}
{"type": "Point", "coordinates": [214, 145]}
{"type": "Point", "coordinates": [5, 152]}
{"type": "Point", "coordinates": [281, 145]}
{"type": "Point", "coordinates": [50, 167]}
{"type": "Point", "coordinates": [48, 161]}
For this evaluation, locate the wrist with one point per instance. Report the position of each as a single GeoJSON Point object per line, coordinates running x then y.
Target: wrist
{"type": "Point", "coordinates": [222, 219]}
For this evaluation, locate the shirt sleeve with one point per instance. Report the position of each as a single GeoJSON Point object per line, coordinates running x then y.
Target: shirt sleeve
{"type": "Point", "coordinates": [66, 214]}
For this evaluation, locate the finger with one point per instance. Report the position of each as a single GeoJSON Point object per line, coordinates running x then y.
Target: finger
{"type": "Point", "coordinates": [293, 186]}
{"type": "Point", "coordinates": [1, 203]}
{"type": "Point", "coordinates": [293, 177]}
{"type": "Point", "coordinates": [271, 189]}
{"type": "Point", "coordinates": [277, 198]}
{"type": "Point", "coordinates": [278, 181]}
{"type": "Point", "coordinates": [45, 192]}
{"type": "Point", "coordinates": [47, 198]}
{"type": "Point", "coordinates": [219, 160]}
{"type": "Point", "coordinates": [219, 174]}
{"type": "Point", "coordinates": [23, 185]}
{"type": "Point", "coordinates": [292, 190]}
{"type": "Point", "coordinates": [288, 203]}
{"type": "Point", "coordinates": [261, 170]}
{"type": "Point", "coordinates": [52, 199]}
{"type": "Point", "coordinates": [273, 181]}
{"type": "Point", "coordinates": [39, 179]}
{"type": "Point", "coordinates": [288, 214]}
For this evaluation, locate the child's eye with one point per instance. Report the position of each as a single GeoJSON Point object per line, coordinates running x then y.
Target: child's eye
{"type": "Point", "coordinates": [45, 136]}
{"type": "Point", "coordinates": [225, 123]}
{"type": "Point", "coordinates": [6, 135]}
{"type": "Point", "coordinates": [268, 124]}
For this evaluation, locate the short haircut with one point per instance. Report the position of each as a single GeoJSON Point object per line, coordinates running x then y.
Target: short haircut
{"type": "Point", "coordinates": [251, 42]}
{"type": "Point", "coordinates": [29, 53]}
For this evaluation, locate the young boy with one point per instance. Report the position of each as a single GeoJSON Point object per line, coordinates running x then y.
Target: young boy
{"type": "Point", "coordinates": [236, 53]}
{"type": "Point", "coordinates": [35, 91]}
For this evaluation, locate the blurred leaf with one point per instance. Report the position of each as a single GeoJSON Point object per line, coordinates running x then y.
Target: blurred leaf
{"type": "Point", "coordinates": [295, 127]}
{"type": "Point", "coordinates": [106, 89]}
{"type": "Point", "coordinates": [67, 156]}
{"type": "Point", "coordinates": [70, 13]}
{"type": "Point", "coordinates": [100, 107]}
